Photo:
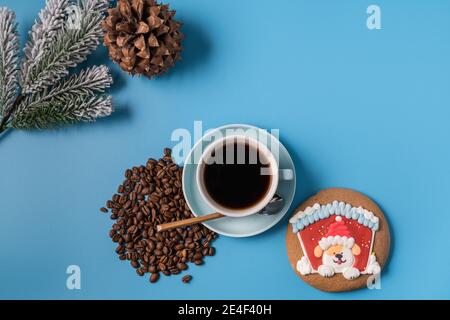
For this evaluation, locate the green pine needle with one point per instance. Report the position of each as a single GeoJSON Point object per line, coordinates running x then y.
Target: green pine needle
{"type": "Point", "coordinates": [55, 113]}
{"type": "Point", "coordinates": [86, 83]}
{"type": "Point", "coordinates": [43, 34]}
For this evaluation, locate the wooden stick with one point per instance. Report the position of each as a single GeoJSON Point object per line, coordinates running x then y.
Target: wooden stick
{"type": "Point", "coordinates": [188, 222]}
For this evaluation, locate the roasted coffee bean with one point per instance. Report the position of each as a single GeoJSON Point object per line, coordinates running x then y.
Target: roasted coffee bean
{"type": "Point", "coordinates": [186, 278]}
{"type": "Point", "coordinates": [175, 271]}
{"type": "Point", "coordinates": [120, 249]}
{"type": "Point", "coordinates": [154, 277]}
{"type": "Point", "coordinates": [116, 238]}
{"type": "Point", "coordinates": [198, 262]}
{"type": "Point", "coordinates": [182, 266]}
{"type": "Point", "coordinates": [129, 245]}
{"type": "Point", "coordinates": [152, 195]}
{"type": "Point", "coordinates": [198, 256]}
{"type": "Point", "coordinates": [162, 267]}
{"type": "Point", "coordinates": [146, 210]}
{"type": "Point", "coordinates": [191, 245]}
{"type": "Point", "coordinates": [140, 272]}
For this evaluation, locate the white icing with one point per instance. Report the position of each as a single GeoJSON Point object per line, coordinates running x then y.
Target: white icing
{"type": "Point", "coordinates": [318, 212]}
{"type": "Point", "coordinates": [350, 243]}
{"type": "Point", "coordinates": [373, 267]}
{"type": "Point", "coordinates": [351, 273]}
{"type": "Point", "coordinates": [303, 266]}
{"type": "Point", "coordinates": [325, 243]}
{"type": "Point", "coordinates": [326, 271]}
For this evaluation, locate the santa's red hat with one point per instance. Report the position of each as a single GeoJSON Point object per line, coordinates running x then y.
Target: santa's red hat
{"type": "Point", "coordinates": [337, 234]}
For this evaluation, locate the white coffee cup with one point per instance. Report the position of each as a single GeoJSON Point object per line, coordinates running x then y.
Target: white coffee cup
{"type": "Point", "coordinates": [264, 152]}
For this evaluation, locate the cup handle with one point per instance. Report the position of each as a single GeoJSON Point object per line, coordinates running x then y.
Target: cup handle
{"type": "Point", "coordinates": [286, 174]}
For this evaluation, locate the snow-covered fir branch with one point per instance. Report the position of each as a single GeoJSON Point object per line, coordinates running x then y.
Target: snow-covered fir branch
{"type": "Point", "coordinates": [9, 49]}
{"type": "Point", "coordinates": [54, 113]}
{"type": "Point", "coordinates": [45, 96]}
{"type": "Point", "coordinates": [70, 47]}
{"type": "Point", "coordinates": [86, 83]}
{"type": "Point", "coordinates": [43, 33]}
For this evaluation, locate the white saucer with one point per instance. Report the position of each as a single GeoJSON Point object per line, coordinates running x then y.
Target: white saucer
{"type": "Point", "coordinates": [236, 227]}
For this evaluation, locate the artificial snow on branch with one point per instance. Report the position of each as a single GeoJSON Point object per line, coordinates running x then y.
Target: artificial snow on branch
{"type": "Point", "coordinates": [71, 46]}
{"type": "Point", "coordinates": [43, 34]}
{"type": "Point", "coordinates": [66, 32]}
{"type": "Point", "coordinates": [86, 83]}
{"type": "Point", "coordinates": [54, 112]}
{"type": "Point", "coordinates": [9, 57]}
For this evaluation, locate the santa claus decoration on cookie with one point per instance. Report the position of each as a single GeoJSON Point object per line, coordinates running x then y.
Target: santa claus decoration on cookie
{"type": "Point", "coordinates": [335, 240]}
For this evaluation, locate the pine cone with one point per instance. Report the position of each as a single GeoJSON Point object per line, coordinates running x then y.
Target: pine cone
{"type": "Point", "coordinates": [142, 37]}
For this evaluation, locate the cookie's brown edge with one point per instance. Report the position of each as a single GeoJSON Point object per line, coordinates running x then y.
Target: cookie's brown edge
{"type": "Point", "coordinates": [381, 243]}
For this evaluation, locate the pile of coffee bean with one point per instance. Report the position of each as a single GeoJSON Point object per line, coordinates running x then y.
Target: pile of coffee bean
{"type": "Point", "coordinates": [151, 195]}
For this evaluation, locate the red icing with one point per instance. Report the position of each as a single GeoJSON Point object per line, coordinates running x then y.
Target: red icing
{"type": "Point", "coordinates": [338, 228]}
{"type": "Point", "coordinates": [311, 235]}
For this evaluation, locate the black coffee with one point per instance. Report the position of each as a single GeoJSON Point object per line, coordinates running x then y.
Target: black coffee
{"type": "Point", "coordinates": [239, 181]}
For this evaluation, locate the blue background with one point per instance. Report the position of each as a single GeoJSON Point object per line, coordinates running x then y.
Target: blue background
{"type": "Point", "coordinates": [357, 108]}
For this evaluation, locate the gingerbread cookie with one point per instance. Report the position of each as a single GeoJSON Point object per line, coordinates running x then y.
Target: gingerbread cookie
{"type": "Point", "coordinates": [337, 239]}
